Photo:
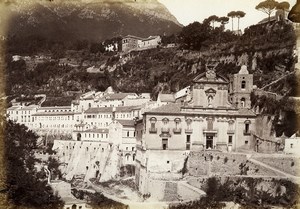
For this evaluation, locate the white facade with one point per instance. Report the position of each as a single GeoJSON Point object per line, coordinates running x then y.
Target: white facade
{"type": "Point", "coordinates": [22, 114]}
{"type": "Point", "coordinates": [292, 145]}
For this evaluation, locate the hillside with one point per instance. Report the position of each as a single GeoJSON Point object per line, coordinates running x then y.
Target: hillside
{"type": "Point", "coordinates": [267, 50]}
{"type": "Point", "coordinates": [94, 20]}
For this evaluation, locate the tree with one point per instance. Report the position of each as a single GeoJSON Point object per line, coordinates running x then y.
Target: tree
{"type": "Point", "coordinates": [268, 7]}
{"type": "Point", "coordinates": [194, 35]}
{"type": "Point", "coordinates": [25, 185]}
{"type": "Point", "coordinates": [213, 19]}
{"type": "Point", "coordinates": [283, 6]}
{"type": "Point", "coordinates": [223, 20]}
{"type": "Point", "coordinates": [239, 14]}
{"type": "Point", "coordinates": [232, 15]}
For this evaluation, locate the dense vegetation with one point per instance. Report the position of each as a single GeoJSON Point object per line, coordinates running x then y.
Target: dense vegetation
{"type": "Point", "coordinates": [25, 186]}
{"type": "Point", "coordinates": [285, 112]}
{"type": "Point", "coordinates": [97, 200]}
{"type": "Point", "coordinates": [247, 193]}
{"type": "Point", "coordinates": [270, 44]}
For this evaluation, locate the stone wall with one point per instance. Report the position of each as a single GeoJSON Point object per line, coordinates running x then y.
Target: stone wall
{"type": "Point", "coordinates": [217, 163]}
{"type": "Point", "coordinates": [288, 164]}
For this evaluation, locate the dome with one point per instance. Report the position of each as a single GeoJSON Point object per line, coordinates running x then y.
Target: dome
{"type": "Point", "coordinates": [243, 70]}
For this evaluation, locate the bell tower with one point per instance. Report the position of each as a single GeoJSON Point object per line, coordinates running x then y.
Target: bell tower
{"type": "Point", "coordinates": [240, 88]}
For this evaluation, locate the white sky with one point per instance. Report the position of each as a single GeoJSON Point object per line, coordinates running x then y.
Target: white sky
{"type": "Point", "coordinates": [188, 11]}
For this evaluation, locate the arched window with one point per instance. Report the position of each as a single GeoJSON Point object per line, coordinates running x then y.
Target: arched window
{"type": "Point", "coordinates": [177, 122]}
{"type": "Point", "coordinates": [243, 102]}
{"type": "Point", "coordinates": [247, 127]}
{"type": "Point", "coordinates": [153, 121]}
{"type": "Point", "coordinates": [127, 157]}
{"type": "Point", "coordinates": [243, 85]}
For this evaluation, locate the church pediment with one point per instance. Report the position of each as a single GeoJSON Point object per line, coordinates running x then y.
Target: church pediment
{"type": "Point", "coordinates": [210, 91]}
{"type": "Point", "coordinates": [207, 77]}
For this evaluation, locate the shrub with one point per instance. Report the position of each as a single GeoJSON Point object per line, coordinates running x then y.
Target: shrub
{"type": "Point", "coordinates": [225, 159]}
{"type": "Point", "coordinates": [292, 164]}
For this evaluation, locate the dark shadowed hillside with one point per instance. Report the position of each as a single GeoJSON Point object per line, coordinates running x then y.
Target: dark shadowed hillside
{"type": "Point", "coordinates": [95, 20]}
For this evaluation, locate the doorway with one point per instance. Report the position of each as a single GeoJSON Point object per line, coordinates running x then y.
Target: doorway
{"type": "Point", "coordinates": [209, 142]}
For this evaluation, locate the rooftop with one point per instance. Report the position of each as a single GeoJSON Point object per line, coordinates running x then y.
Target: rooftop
{"type": "Point", "coordinates": [130, 123]}
{"type": "Point", "coordinates": [169, 108]}
{"type": "Point", "coordinates": [119, 96]}
{"type": "Point", "coordinates": [246, 112]}
{"type": "Point", "coordinates": [95, 110]}
{"type": "Point", "coordinates": [55, 107]}
{"type": "Point", "coordinates": [100, 130]}
{"type": "Point", "coordinates": [53, 113]}
{"type": "Point", "coordinates": [166, 97]}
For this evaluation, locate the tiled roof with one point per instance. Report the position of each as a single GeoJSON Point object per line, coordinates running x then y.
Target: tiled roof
{"type": "Point", "coordinates": [30, 107]}
{"type": "Point", "coordinates": [126, 108]}
{"type": "Point", "coordinates": [134, 37]}
{"type": "Point", "coordinates": [13, 108]}
{"type": "Point", "coordinates": [127, 122]}
{"type": "Point", "coordinates": [118, 96]}
{"type": "Point", "coordinates": [169, 108]}
{"type": "Point", "coordinates": [53, 113]}
{"type": "Point", "coordinates": [95, 110]}
{"type": "Point", "coordinates": [166, 97]}
{"type": "Point", "coordinates": [246, 112]}
{"type": "Point", "coordinates": [100, 130]}
{"type": "Point", "coordinates": [55, 107]}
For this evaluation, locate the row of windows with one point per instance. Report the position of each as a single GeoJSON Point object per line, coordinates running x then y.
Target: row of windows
{"type": "Point", "coordinates": [127, 134]}
{"type": "Point", "coordinates": [66, 110]}
{"type": "Point", "coordinates": [21, 112]}
{"type": "Point", "coordinates": [127, 115]}
{"type": "Point", "coordinates": [54, 118]}
{"type": "Point", "coordinates": [95, 135]}
{"type": "Point", "coordinates": [99, 116]}
{"type": "Point", "coordinates": [55, 126]}
{"type": "Point", "coordinates": [100, 124]}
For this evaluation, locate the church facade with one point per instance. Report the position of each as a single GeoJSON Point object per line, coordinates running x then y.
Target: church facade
{"type": "Point", "coordinates": [216, 115]}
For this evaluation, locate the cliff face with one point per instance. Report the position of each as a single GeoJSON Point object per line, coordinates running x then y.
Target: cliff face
{"type": "Point", "coordinates": [91, 20]}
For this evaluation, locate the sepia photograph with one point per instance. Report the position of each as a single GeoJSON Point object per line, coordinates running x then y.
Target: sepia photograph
{"type": "Point", "coordinates": [149, 104]}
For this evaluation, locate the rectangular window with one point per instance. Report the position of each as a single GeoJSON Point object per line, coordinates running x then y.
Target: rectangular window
{"type": "Point", "coordinates": [188, 146]}
{"type": "Point", "coordinates": [230, 139]}
{"type": "Point", "coordinates": [247, 128]}
{"type": "Point", "coordinates": [188, 138]}
{"type": "Point", "coordinates": [165, 144]}
{"type": "Point", "coordinates": [153, 126]}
